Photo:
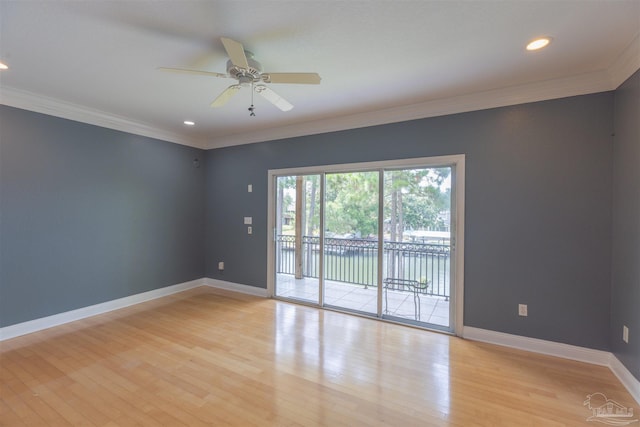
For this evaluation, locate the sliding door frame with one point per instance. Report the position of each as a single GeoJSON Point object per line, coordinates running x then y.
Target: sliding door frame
{"type": "Point", "coordinates": [457, 164]}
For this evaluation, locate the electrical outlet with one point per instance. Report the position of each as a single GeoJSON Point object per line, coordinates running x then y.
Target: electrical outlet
{"type": "Point", "coordinates": [522, 310]}
{"type": "Point", "coordinates": [625, 334]}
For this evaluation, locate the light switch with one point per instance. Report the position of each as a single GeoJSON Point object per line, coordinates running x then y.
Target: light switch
{"type": "Point", "coordinates": [249, 188]}
{"type": "Point", "coordinates": [248, 220]}
{"type": "Point", "coordinates": [249, 230]}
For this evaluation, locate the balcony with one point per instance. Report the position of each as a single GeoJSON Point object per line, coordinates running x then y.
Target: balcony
{"type": "Point", "coordinates": [351, 269]}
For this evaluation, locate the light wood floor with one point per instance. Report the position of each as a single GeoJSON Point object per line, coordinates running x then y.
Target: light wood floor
{"type": "Point", "coordinates": [214, 358]}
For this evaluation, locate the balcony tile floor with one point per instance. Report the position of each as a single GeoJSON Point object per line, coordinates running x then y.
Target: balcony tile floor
{"type": "Point", "coordinates": [433, 309]}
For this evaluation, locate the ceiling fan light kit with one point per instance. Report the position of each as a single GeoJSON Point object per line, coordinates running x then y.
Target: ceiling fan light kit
{"type": "Point", "coordinates": [248, 72]}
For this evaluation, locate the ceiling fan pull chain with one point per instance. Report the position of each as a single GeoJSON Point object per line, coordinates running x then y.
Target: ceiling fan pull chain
{"type": "Point", "coordinates": [251, 112]}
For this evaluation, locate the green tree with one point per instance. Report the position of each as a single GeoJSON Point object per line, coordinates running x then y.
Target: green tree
{"type": "Point", "coordinates": [352, 203]}
{"type": "Point", "coordinates": [414, 198]}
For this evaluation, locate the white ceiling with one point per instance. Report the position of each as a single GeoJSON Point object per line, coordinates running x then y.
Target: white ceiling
{"type": "Point", "coordinates": [380, 61]}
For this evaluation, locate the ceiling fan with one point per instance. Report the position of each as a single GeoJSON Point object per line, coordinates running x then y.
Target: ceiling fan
{"type": "Point", "coordinates": [248, 72]}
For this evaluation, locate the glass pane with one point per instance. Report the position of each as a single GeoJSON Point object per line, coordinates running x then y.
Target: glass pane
{"type": "Point", "coordinates": [297, 237]}
{"type": "Point", "coordinates": [417, 245]}
{"type": "Point", "coordinates": [351, 241]}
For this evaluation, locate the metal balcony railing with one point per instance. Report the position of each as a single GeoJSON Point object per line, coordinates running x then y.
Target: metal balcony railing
{"type": "Point", "coordinates": [355, 261]}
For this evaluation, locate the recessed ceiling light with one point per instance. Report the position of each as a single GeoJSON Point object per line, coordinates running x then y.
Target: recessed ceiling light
{"type": "Point", "coordinates": [3, 66]}
{"type": "Point", "coordinates": [189, 123]}
{"type": "Point", "coordinates": [538, 43]}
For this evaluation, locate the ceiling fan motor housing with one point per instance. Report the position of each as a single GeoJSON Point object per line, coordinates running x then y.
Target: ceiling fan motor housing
{"type": "Point", "coordinates": [246, 75]}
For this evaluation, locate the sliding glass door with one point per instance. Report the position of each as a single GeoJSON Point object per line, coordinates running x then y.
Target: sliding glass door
{"type": "Point", "coordinates": [377, 242]}
{"type": "Point", "coordinates": [351, 241]}
{"type": "Point", "coordinates": [417, 245]}
{"type": "Point", "coordinates": [297, 237]}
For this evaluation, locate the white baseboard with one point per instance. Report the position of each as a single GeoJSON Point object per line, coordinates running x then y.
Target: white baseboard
{"type": "Point", "coordinates": [35, 325]}
{"type": "Point", "coordinates": [631, 383]}
{"type": "Point", "coordinates": [236, 287]}
{"type": "Point", "coordinates": [566, 351]}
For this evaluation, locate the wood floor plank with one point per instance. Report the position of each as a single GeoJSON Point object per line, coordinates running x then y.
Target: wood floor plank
{"type": "Point", "coordinates": [208, 357]}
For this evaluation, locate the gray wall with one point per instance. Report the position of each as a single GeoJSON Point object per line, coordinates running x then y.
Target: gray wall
{"type": "Point", "coordinates": [538, 208]}
{"type": "Point", "coordinates": [89, 215]}
{"type": "Point", "coordinates": [625, 290]}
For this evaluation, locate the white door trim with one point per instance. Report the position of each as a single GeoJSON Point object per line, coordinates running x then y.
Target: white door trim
{"type": "Point", "coordinates": [458, 186]}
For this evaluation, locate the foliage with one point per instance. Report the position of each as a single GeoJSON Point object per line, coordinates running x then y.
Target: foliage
{"type": "Point", "coordinates": [423, 200]}
{"type": "Point", "coordinates": [414, 199]}
{"type": "Point", "coordinates": [352, 203]}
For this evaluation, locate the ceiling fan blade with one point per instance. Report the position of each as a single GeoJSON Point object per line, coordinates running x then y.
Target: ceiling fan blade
{"type": "Point", "coordinates": [273, 97]}
{"type": "Point", "coordinates": [296, 78]}
{"type": "Point", "coordinates": [225, 96]}
{"type": "Point", "coordinates": [235, 50]}
{"type": "Point", "coordinates": [185, 71]}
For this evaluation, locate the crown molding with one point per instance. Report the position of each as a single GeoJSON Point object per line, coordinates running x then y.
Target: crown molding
{"type": "Point", "coordinates": [66, 110]}
{"type": "Point", "coordinates": [599, 81]}
{"type": "Point", "coordinates": [627, 63]}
